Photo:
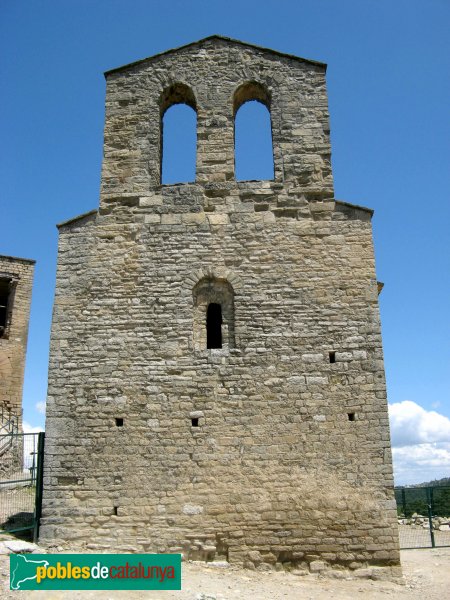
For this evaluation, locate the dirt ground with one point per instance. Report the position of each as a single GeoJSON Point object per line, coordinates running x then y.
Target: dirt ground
{"type": "Point", "coordinates": [426, 577]}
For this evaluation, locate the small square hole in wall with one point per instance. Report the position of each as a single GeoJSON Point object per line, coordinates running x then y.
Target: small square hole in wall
{"type": "Point", "coordinates": [351, 416]}
{"type": "Point", "coordinates": [194, 422]}
{"type": "Point", "coordinates": [332, 356]}
{"type": "Point", "coordinates": [119, 421]}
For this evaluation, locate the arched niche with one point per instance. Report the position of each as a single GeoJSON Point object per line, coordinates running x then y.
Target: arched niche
{"type": "Point", "coordinates": [213, 300]}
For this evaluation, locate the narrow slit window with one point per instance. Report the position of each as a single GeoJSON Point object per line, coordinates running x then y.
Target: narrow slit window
{"type": "Point", "coordinates": [179, 142]}
{"type": "Point", "coordinates": [332, 357]}
{"type": "Point", "coordinates": [213, 318]}
{"type": "Point", "coordinates": [214, 326]}
{"type": "Point", "coordinates": [4, 301]}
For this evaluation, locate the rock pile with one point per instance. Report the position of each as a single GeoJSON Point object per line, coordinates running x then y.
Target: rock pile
{"type": "Point", "coordinates": [416, 520]}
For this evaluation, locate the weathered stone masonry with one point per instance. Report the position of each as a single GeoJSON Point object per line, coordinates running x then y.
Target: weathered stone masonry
{"type": "Point", "coordinates": [275, 447]}
{"type": "Point", "coordinates": [16, 280]}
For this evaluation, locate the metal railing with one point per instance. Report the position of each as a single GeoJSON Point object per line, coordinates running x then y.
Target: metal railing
{"type": "Point", "coordinates": [9, 426]}
{"type": "Point", "coordinates": [21, 469]}
{"type": "Point", "coordinates": [423, 516]}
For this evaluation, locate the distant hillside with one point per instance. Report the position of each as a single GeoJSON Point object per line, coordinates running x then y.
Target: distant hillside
{"type": "Point", "coordinates": [445, 481]}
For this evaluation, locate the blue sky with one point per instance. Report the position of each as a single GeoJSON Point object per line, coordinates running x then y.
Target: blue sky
{"type": "Point", "coordinates": [388, 86]}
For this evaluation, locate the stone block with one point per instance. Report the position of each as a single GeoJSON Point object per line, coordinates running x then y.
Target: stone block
{"type": "Point", "coordinates": [317, 566]}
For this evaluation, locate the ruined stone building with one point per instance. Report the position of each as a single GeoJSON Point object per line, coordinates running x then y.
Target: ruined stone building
{"type": "Point", "coordinates": [16, 280]}
{"type": "Point", "coordinates": [216, 382]}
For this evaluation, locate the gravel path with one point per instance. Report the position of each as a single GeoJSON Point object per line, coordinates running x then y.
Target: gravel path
{"type": "Point", "coordinates": [426, 573]}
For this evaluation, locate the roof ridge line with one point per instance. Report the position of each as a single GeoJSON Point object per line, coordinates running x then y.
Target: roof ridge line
{"type": "Point", "coordinates": [215, 37]}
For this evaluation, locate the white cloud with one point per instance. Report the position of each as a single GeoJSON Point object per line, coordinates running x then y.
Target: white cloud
{"type": "Point", "coordinates": [27, 428]}
{"type": "Point", "coordinates": [421, 443]}
{"type": "Point", "coordinates": [424, 462]}
{"type": "Point", "coordinates": [411, 424]}
{"type": "Point", "coordinates": [40, 407]}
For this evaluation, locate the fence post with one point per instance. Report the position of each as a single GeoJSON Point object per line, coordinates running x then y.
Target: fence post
{"type": "Point", "coordinates": [404, 503]}
{"type": "Point", "coordinates": [430, 515]}
{"type": "Point", "coordinates": [39, 484]}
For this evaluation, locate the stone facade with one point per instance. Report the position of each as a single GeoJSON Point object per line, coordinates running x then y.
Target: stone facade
{"type": "Point", "coordinates": [16, 280]}
{"type": "Point", "coordinates": [270, 447]}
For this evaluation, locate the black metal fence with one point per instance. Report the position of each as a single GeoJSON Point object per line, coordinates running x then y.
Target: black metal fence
{"type": "Point", "coordinates": [423, 516]}
{"type": "Point", "coordinates": [21, 463]}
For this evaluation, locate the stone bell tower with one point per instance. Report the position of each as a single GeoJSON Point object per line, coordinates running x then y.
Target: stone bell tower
{"type": "Point", "coordinates": [216, 381]}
